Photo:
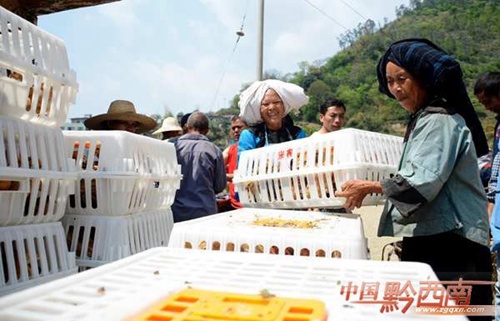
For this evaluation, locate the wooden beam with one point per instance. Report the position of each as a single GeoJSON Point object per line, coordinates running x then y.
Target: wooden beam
{"type": "Point", "coordinates": [31, 9]}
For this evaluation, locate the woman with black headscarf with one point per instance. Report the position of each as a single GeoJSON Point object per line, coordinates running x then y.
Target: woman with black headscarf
{"type": "Point", "coordinates": [435, 201]}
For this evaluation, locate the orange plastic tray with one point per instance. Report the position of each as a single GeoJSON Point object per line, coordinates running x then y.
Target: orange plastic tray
{"type": "Point", "coordinates": [203, 305]}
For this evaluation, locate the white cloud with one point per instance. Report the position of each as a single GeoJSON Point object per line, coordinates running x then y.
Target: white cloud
{"type": "Point", "coordinates": [312, 40]}
{"type": "Point", "coordinates": [121, 13]}
{"type": "Point", "coordinates": [185, 87]}
{"type": "Point", "coordinates": [310, 33]}
{"type": "Point", "coordinates": [174, 53]}
{"type": "Point", "coordinates": [228, 12]}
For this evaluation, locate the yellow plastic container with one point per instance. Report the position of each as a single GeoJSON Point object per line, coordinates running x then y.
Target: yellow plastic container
{"type": "Point", "coordinates": [203, 305]}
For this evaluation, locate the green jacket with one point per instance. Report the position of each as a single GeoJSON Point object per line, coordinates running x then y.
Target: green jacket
{"type": "Point", "coordinates": [437, 187]}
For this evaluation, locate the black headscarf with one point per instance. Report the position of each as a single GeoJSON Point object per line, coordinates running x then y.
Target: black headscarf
{"type": "Point", "coordinates": [440, 74]}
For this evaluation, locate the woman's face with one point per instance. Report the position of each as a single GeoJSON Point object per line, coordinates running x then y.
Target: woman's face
{"type": "Point", "coordinates": [410, 94]}
{"type": "Point", "coordinates": [272, 109]}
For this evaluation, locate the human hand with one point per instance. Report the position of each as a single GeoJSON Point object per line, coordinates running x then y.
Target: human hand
{"type": "Point", "coordinates": [355, 192]}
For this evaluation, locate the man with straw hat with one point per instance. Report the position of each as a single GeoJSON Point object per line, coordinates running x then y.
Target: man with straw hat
{"type": "Point", "coordinates": [121, 115]}
{"type": "Point", "coordinates": [170, 128]}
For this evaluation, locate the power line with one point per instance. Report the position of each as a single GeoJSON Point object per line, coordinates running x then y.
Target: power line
{"type": "Point", "coordinates": [326, 14]}
{"type": "Point", "coordinates": [240, 34]}
{"type": "Point", "coordinates": [356, 11]}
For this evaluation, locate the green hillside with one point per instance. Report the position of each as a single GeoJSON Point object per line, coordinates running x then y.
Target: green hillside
{"type": "Point", "coordinates": [469, 30]}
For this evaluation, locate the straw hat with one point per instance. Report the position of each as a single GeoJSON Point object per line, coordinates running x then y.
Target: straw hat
{"type": "Point", "coordinates": [121, 110]}
{"type": "Point", "coordinates": [169, 124]}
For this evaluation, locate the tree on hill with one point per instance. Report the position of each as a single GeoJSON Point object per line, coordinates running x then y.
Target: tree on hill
{"type": "Point", "coordinates": [467, 29]}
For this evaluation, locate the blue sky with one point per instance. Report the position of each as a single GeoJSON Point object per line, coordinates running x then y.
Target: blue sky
{"type": "Point", "coordinates": [177, 55]}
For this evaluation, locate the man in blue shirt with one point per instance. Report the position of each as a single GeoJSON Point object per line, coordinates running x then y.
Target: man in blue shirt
{"type": "Point", "coordinates": [203, 171]}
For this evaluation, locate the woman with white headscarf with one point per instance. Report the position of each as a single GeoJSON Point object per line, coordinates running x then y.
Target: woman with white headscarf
{"type": "Point", "coordinates": [264, 106]}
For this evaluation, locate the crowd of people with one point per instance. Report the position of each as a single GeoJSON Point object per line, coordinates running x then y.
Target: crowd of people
{"type": "Point", "coordinates": [436, 201]}
{"type": "Point", "coordinates": [206, 171]}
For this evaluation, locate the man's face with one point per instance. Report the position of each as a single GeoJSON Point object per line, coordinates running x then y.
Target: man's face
{"type": "Point", "coordinates": [491, 103]}
{"type": "Point", "coordinates": [129, 126]}
{"type": "Point", "coordinates": [333, 119]}
{"type": "Point", "coordinates": [237, 127]}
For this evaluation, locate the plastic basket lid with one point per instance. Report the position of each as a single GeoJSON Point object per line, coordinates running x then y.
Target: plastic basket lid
{"type": "Point", "coordinates": [118, 290]}
{"type": "Point", "coordinates": [282, 232]}
{"type": "Point", "coordinates": [205, 305]}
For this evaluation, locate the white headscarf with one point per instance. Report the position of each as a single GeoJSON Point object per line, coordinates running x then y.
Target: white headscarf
{"type": "Point", "coordinates": [293, 98]}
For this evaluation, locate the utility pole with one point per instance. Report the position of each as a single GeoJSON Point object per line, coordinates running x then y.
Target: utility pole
{"type": "Point", "coordinates": [260, 40]}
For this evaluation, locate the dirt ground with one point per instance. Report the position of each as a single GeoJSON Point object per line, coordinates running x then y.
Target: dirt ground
{"type": "Point", "coordinates": [370, 216]}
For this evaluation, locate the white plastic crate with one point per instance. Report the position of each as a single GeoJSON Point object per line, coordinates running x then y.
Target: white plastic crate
{"type": "Point", "coordinates": [325, 235]}
{"type": "Point", "coordinates": [121, 289]}
{"type": "Point", "coordinates": [305, 173]}
{"type": "Point", "coordinates": [32, 146]}
{"type": "Point", "coordinates": [33, 254]}
{"type": "Point", "coordinates": [35, 175]}
{"type": "Point", "coordinates": [105, 194]}
{"type": "Point", "coordinates": [121, 173]}
{"type": "Point", "coordinates": [36, 83]}
{"type": "Point", "coordinates": [118, 151]}
{"type": "Point", "coordinates": [30, 196]}
{"type": "Point", "coordinates": [97, 240]}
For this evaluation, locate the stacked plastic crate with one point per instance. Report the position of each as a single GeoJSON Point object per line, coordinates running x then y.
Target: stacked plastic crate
{"type": "Point", "coordinates": [125, 187]}
{"type": "Point", "coordinates": [275, 182]}
{"type": "Point", "coordinates": [36, 178]}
